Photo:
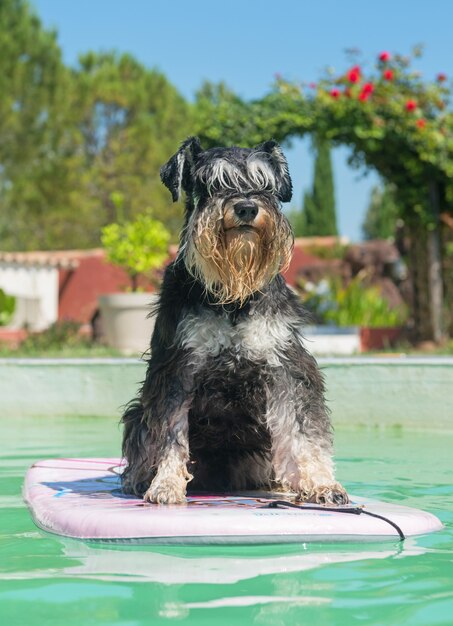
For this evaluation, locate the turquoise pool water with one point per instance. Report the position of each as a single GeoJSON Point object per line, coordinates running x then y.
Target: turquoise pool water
{"type": "Point", "coordinates": [47, 580]}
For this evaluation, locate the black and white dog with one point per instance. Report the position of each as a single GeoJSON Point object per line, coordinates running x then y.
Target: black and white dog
{"type": "Point", "coordinates": [232, 399]}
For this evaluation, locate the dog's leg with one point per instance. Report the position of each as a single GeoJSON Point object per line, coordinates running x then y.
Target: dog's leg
{"type": "Point", "coordinates": [156, 440]}
{"type": "Point", "coordinates": [301, 441]}
{"type": "Point", "coordinates": [170, 433]}
{"type": "Point", "coordinates": [170, 482]}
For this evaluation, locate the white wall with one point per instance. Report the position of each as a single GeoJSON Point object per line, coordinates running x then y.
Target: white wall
{"type": "Point", "coordinates": [36, 290]}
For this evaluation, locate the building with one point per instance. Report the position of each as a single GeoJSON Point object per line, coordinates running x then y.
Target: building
{"type": "Point", "coordinates": [58, 285]}
{"type": "Point", "coordinates": [65, 285]}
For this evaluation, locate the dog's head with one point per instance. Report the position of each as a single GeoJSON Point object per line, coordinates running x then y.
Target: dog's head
{"type": "Point", "coordinates": [235, 238]}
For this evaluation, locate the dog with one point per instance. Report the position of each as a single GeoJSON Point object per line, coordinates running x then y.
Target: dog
{"type": "Point", "coordinates": [232, 400]}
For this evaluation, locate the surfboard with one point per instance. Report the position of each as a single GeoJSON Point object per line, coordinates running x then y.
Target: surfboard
{"type": "Point", "coordinates": [82, 499]}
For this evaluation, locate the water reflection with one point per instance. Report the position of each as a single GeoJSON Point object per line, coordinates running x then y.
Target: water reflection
{"type": "Point", "coordinates": [206, 565]}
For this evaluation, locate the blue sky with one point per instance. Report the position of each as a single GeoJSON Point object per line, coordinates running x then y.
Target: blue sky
{"type": "Point", "coordinates": [246, 42]}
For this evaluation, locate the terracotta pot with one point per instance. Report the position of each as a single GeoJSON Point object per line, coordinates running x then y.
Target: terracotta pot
{"type": "Point", "coordinates": [378, 338]}
{"type": "Point", "coordinates": [125, 322]}
{"type": "Point", "coordinates": [12, 337]}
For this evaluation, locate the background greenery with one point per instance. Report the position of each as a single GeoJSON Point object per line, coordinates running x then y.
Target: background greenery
{"type": "Point", "coordinates": [318, 215]}
{"type": "Point", "coordinates": [73, 140]}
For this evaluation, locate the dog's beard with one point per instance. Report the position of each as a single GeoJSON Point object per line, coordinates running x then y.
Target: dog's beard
{"type": "Point", "coordinates": [235, 263]}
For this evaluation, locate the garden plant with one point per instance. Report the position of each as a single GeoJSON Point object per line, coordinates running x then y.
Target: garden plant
{"type": "Point", "coordinates": [140, 247]}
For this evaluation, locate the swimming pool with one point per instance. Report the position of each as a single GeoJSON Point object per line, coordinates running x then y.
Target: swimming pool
{"type": "Point", "coordinates": [47, 580]}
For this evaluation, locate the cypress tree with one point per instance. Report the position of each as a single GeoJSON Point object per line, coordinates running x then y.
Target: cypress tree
{"type": "Point", "coordinates": [319, 205]}
{"type": "Point", "coordinates": [382, 213]}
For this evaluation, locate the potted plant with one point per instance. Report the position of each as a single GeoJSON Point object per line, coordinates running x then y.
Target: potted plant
{"type": "Point", "coordinates": [139, 247]}
{"type": "Point", "coordinates": [357, 304]}
{"type": "Point", "coordinates": [325, 336]}
{"type": "Point", "coordinates": [344, 308]}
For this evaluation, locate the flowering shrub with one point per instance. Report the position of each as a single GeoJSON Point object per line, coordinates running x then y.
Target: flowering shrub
{"type": "Point", "coordinates": [395, 122]}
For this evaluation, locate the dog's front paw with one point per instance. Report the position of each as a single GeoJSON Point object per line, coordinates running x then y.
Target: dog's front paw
{"type": "Point", "coordinates": [332, 493]}
{"type": "Point", "coordinates": [169, 490]}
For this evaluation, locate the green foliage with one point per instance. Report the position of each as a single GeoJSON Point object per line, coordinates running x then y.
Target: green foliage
{"type": "Point", "coordinates": [69, 138]}
{"type": "Point", "coordinates": [296, 219]}
{"type": "Point", "coordinates": [7, 308]}
{"type": "Point", "coordinates": [392, 120]}
{"type": "Point", "coordinates": [32, 78]}
{"type": "Point", "coordinates": [352, 304]}
{"type": "Point", "coordinates": [355, 304]}
{"type": "Point", "coordinates": [129, 120]}
{"type": "Point", "coordinates": [401, 126]}
{"type": "Point", "coordinates": [63, 340]}
{"type": "Point", "coordinates": [310, 223]}
{"type": "Point", "coordinates": [223, 118]}
{"type": "Point", "coordinates": [336, 251]}
{"type": "Point", "coordinates": [319, 216]}
{"type": "Point", "coordinates": [139, 247]}
{"type": "Point", "coordinates": [382, 213]}
{"type": "Point", "coordinates": [58, 335]}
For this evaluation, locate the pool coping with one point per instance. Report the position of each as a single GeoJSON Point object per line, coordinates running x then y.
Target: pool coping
{"type": "Point", "coordinates": [399, 359]}
{"type": "Point", "coordinates": [389, 391]}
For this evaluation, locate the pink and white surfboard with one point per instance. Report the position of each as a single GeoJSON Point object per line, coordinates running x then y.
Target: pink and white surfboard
{"type": "Point", "coordinates": [82, 498]}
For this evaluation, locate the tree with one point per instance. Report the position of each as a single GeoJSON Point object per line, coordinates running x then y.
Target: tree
{"type": "Point", "coordinates": [31, 77]}
{"type": "Point", "coordinates": [319, 216]}
{"type": "Point", "coordinates": [297, 217]}
{"type": "Point", "coordinates": [70, 139]}
{"type": "Point", "coordinates": [382, 213]}
{"type": "Point", "coordinates": [129, 121]}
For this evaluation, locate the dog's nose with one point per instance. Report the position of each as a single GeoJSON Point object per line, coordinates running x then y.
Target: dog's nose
{"type": "Point", "coordinates": [246, 210]}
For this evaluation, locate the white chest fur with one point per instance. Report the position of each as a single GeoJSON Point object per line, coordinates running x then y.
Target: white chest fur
{"type": "Point", "coordinates": [255, 337]}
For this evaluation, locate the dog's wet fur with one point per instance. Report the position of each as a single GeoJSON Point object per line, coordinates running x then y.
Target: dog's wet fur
{"type": "Point", "coordinates": [232, 399]}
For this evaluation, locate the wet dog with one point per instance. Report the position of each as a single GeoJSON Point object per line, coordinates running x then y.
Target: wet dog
{"type": "Point", "coordinates": [232, 399]}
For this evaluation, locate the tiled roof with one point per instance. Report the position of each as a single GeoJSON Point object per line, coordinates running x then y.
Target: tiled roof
{"type": "Point", "coordinates": [65, 259]}
{"type": "Point", "coordinates": [314, 242]}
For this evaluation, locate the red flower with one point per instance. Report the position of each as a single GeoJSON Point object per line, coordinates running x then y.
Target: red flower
{"type": "Point", "coordinates": [388, 75]}
{"type": "Point", "coordinates": [312, 85]}
{"type": "Point", "coordinates": [421, 123]}
{"type": "Point", "coordinates": [384, 57]}
{"type": "Point", "coordinates": [411, 105]}
{"type": "Point", "coordinates": [335, 93]}
{"type": "Point", "coordinates": [366, 92]}
{"type": "Point", "coordinates": [354, 74]}
{"type": "Point", "coordinates": [441, 78]}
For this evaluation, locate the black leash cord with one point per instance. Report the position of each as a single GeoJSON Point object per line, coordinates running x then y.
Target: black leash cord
{"type": "Point", "coordinates": [356, 510]}
{"type": "Point", "coordinates": [389, 521]}
{"type": "Point", "coordinates": [275, 504]}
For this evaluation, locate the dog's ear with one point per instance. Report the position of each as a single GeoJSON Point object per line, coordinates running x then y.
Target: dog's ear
{"type": "Point", "coordinates": [176, 174]}
{"type": "Point", "coordinates": [278, 162]}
